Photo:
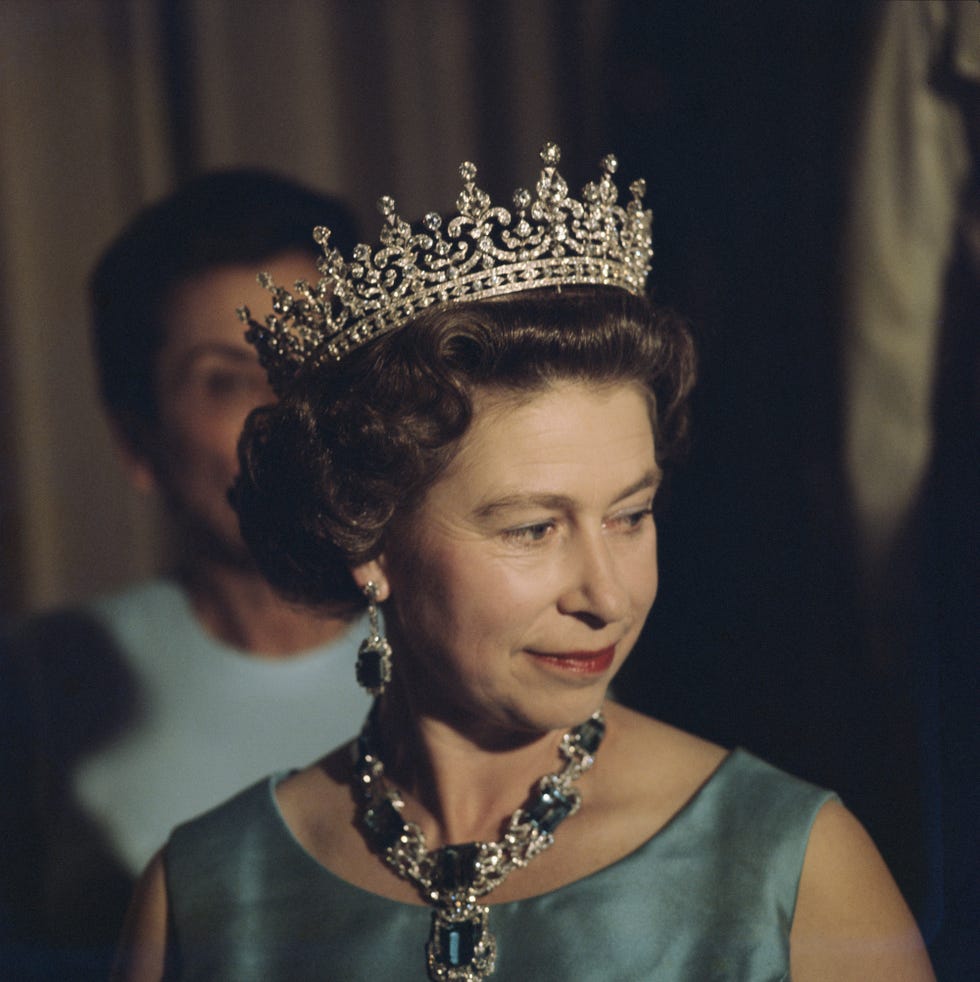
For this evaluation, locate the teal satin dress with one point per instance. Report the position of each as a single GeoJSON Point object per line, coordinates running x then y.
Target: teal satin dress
{"type": "Point", "coordinates": [709, 897]}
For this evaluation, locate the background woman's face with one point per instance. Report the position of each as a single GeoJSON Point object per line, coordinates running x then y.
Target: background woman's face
{"type": "Point", "coordinates": [208, 381]}
{"type": "Point", "coordinates": [520, 584]}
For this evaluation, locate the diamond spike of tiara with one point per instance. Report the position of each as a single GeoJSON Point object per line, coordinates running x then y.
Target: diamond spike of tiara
{"type": "Point", "coordinates": [549, 239]}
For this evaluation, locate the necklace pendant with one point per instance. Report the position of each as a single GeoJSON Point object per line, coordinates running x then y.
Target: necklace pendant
{"type": "Point", "coordinates": [461, 947]}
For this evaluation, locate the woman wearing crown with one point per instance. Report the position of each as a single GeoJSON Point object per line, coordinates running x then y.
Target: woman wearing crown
{"type": "Point", "coordinates": [474, 421]}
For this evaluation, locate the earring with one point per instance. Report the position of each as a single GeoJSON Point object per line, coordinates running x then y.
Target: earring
{"type": "Point", "coordinates": [374, 654]}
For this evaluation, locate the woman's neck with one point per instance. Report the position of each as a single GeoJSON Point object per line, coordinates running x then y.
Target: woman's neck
{"type": "Point", "coordinates": [459, 787]}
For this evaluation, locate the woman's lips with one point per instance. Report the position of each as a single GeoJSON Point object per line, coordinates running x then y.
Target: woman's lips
{"type": "Point", "coordinates": [580, 662]}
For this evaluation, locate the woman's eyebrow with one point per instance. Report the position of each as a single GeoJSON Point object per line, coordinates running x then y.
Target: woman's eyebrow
{"type": "Point", "coordinates": [519, 500]}
{"type": "Point", "coordinates": [546, 500]}
{"type": "Point", "coordinates": [650, 481]}
{"type": "Point", "coordinates": [219, 349]}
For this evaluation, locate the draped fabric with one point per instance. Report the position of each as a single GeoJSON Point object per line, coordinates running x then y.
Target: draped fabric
{"type": "Point", "coordinates": [709, 897]}
{"type": "Point", "coordinates": [106, 105]}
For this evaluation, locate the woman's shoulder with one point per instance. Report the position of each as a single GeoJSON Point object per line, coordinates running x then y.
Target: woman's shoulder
{"type": "Point", "coordinates": [326, 783]}
{"type": "Point", "coordinates": [658, 758]}
{"type": "Point", "coordinates": [646, 773]}
{"type": "Point", "coordinates": [655, 734]}
{"type": "Point", "coordinates": [657, 775]}
{"type": "Point", "coordinates": [851, 921]}
{"type": "Point", "coordinates": [849, 916]}
{"type": "Point", "coordinates": [214, 836]}
{"type": "Point", "coordinates": [317, 804]}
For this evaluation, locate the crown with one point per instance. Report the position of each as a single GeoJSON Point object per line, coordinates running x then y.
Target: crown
{"type": "Point", "coordinates": [550, 240]}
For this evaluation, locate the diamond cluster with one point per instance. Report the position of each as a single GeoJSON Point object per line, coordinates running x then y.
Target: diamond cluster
{"type": "Point", "coordinates": [549, 239]}
{"type": "Point", "coordinates": [452, 879]}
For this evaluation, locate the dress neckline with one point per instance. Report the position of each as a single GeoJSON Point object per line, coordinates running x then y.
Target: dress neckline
{"type": "Point", "coordinates": [663, 833]}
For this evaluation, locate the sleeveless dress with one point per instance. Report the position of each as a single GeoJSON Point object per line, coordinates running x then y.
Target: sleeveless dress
{"type": "Point", "coordinates": [709, 897]}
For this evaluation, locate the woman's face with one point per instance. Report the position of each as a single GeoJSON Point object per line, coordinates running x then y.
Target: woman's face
{"type": "Point", "coordinates": [520, 584]}
{"type": "Point", "coordinates": [208, 381]}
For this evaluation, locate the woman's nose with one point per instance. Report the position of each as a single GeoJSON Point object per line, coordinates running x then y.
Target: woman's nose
{"type": "Point", "coordinates": [596, 588]}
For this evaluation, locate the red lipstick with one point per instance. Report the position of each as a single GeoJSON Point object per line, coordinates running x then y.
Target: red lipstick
{"type": "Point", "coordinates": [581, 662]}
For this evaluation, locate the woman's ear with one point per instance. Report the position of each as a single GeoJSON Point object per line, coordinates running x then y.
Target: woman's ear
{"type": "Point", "coordinates": [373, 571]}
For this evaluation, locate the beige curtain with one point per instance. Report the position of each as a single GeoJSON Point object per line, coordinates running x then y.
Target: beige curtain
{"type": "Point", "coordinates": [106, 104]}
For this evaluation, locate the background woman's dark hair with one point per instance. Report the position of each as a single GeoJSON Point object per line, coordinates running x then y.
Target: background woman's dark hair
{"type": "Point", "coordinates": [228, 217]}
{"type": "Point", "coordinates": [325, 469]}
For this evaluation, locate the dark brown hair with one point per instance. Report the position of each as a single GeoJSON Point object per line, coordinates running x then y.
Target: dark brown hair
{"type": "Point", "coordinates": [222, 218]}
{"type": "Point", "coordinates": [352, 444]}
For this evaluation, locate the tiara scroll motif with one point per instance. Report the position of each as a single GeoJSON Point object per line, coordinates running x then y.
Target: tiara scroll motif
{"type": "Point", "coordinates": [550, 240]}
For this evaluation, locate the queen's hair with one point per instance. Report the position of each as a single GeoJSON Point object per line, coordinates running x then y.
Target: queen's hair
{"type": "Point", "coordinates": [355, 443]}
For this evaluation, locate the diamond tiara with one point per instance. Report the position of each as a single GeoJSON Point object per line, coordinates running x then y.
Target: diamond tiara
{"type": "Point", "coordinates": [550, 240]}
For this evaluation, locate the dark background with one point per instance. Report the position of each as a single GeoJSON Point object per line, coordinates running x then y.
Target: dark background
{"type": "Point", "coordinates": [743, 115]}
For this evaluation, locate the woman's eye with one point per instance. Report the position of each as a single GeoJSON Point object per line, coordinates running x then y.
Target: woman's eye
{"type": "Point", "coordinates": [223, 384]}
{"type": "Point", "coordinates": [631, 520]}
{"type": "Point", "coordinates": [529, 534]}
{"type": "Point", "coordinates": [220, 383]}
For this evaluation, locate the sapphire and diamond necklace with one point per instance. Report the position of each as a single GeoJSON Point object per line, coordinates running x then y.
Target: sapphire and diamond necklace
{"type": "Point", "coordinates": [453, 878]}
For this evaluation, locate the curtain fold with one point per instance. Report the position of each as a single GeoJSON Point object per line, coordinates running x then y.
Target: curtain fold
{"type": "Point", "coordinates": [106, 104]}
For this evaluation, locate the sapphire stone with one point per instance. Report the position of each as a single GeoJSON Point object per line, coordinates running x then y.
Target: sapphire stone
{"type": "Point", "coordinates": [550, 810]}
{"type": "Point", "coordinates": [457, 942]}
{"type": "Point", "coordinates": [385, 823]}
